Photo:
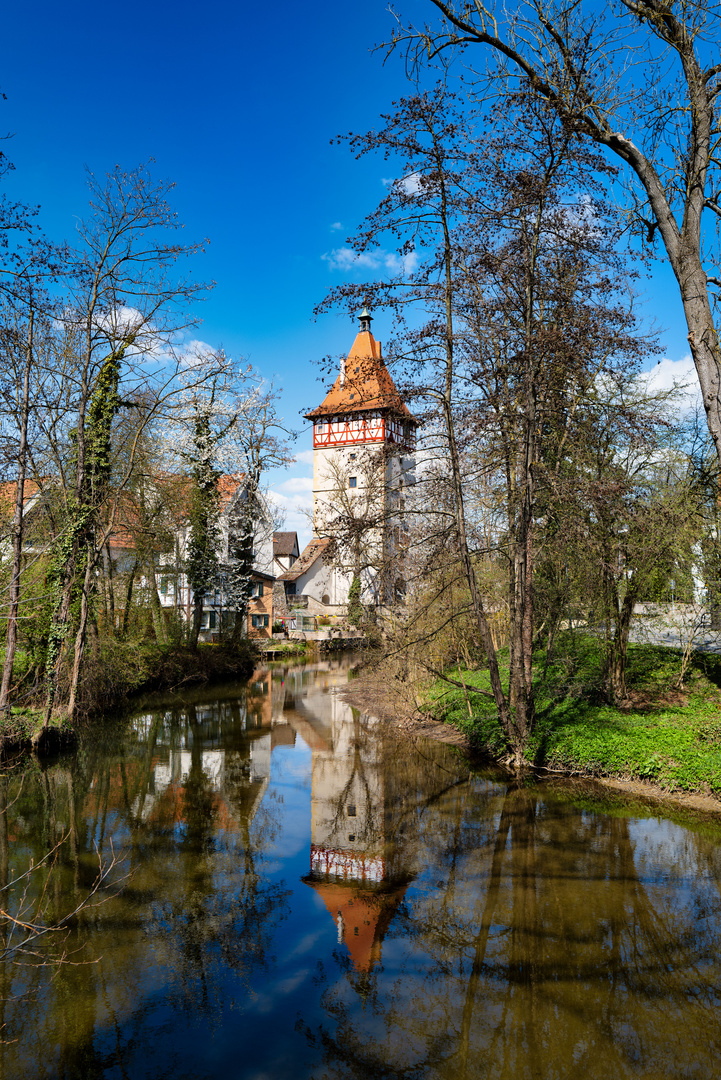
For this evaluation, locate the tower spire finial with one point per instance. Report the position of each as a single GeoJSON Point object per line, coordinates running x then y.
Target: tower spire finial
{"type": "Point", "coordinates": [365, 319]}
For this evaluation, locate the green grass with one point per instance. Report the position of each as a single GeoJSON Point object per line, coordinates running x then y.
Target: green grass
{"type": "Point", "coordinates": [671, 739]}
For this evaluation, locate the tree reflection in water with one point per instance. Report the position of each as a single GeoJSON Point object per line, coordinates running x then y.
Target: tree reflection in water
{"type": "Point", "coordinates": [310, 897]}
{"type": "Point", "coordinates": [549, 948]}
{"type": "Point", "coordinates": [186, 808]}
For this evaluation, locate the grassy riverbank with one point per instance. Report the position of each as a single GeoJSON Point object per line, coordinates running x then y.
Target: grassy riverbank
{"type": "Point", "coordinates": [668, 736]}
{"type": "Point", "coordinates": [123, 669]}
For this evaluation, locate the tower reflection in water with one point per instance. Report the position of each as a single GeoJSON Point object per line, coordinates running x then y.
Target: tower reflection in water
{"type": "Point", "coordinates": [357, 808]}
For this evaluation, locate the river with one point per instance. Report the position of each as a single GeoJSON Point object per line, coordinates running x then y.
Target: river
{"type": "Point", "coordinates": [294, 891]}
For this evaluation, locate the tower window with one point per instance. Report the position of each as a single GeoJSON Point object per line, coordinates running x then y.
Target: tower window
{"type": "Point", "coordinates": [352, 396]}
{"type": "Point", "coordinates": [352, 457]}
{"type": "Point", "coordinates": [357, 370]}
{"type": "Point", "coordinates": [353, 481]}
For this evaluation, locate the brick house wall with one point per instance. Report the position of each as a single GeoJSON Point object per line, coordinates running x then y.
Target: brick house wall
{"type": "Point", "coordinates": [260, 608]}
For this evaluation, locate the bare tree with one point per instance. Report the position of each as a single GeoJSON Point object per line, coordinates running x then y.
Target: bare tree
{"type": "Point", "coordinates": [520, 282]}
{"type": "Point", "coordinates": [260, 441]}
{"type": "Point", "coordinates": [125, 306]}
{"type": "Point", "coordinates": [639, 78]}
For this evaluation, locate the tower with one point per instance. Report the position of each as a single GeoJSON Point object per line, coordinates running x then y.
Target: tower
{"type": "Point", "coordinates": [363, 464]}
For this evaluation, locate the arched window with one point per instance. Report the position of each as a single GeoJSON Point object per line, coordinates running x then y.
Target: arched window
{"type": "Point", "coordinates": [325, 599]}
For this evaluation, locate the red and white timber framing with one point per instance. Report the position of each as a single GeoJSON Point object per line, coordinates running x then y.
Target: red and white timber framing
{"type": "Point", "coordinates": [362, 427]}
{"type": "Point", "coordinates": [349, 865]}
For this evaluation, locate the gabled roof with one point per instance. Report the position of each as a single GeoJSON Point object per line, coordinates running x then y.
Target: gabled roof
{"type": "Point", "coordinates": [364, 383]}
{"type": "Point", "coordinates": [228, 486]}
{"type": "Point", "coordinates": [8, 494]}
{"type": "Point", "coordinates": [310, 554]}
{"type": "Point", "coordinates": [285, 543]}
{"type": "Point", "coordinates": [361, 914]}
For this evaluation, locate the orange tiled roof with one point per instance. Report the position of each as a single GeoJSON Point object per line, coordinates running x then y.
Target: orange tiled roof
{"type": "Point", "coordinates": [364, 383]}
{"type": "Point", "coordinates": [127, 521]}
{"type": "Point", "coordinates": [7, 496]}
{"type": "Point", "coordinates": [362, 915]}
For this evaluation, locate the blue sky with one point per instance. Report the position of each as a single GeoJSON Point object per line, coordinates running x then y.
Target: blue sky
{"type": "Point", "coordinates": [237, 103]}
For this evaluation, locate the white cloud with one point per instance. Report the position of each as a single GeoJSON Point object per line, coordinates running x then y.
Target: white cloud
{"type": "Point", "coordinates": [305, 457]}
{"type": "Point", "coordinates": [345, 259]}
{"type": "Point", "coordinates": [296, 484]}
{"type": "Point", "coordinates": [297, 508]}
{"type": "Point", "coordinates": [336, 226]}
{"type": "Point", "coordinates": [192, 353]}
{"type": "Point", "coordinates": [411, 184]}
{"type": "Point", "coordinates": [681, 373]}
{"type": "Point", "coordinates": [121, 320]}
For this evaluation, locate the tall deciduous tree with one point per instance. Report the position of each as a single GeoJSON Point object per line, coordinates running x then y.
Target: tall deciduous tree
{"type": "Point", "coordinates": [518, 280]}
{"type": "Point", "coordinates": [641, 79]}
{"type": "Point", "coordinates": [125, 306]}
{"type": "Point", "coordinates": [259, 442]}
{"type": "Point", "coordinates": [204, 534]}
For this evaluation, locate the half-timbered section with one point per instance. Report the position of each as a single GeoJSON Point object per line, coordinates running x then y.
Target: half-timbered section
{"type": "Point", "coordinates": [374, 426]}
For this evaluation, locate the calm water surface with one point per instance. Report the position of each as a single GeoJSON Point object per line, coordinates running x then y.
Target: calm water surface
{"type": "Point", "coordinates": [297, 894]}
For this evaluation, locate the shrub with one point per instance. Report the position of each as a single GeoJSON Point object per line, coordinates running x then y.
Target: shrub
{"type": "Point", "coordinates": [355, 608]}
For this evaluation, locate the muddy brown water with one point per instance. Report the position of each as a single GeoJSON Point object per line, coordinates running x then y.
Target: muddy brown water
{"type": "Point", "coordinates": [297, 894]}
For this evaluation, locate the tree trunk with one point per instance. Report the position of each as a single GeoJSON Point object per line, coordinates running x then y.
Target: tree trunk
{"type": "Point", "coordinates": [703, 341]}
{"type": "Point", "coordinates": [198, 599]}
{"type": "Point", "coordinates": [81, 635]}
{"type": "Point", "coordinates": [129, 599]}
{"type": "Point", "coordinates": [59, 626]}
{"type": "Point", "coordinates": [621, 613]}
{"type": "Point", "coordinates": [109, 591]}
{"type": "Point", "coordinates": [17, 531]}
{"type": "Point", "coordinates": [161, 632]}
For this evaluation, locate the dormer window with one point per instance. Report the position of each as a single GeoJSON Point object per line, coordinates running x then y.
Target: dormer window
{"type": "Point", "coordinates": [352, 396]}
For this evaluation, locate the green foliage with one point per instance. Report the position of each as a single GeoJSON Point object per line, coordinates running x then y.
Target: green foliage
{"type": "Point", "coordinates": [356, 613]}
{"type": "Point", "coordinates": [121, 669]}
{"type": "Point", "coordinates": [675, 744]}
{"type": "Point", "coordinates": [202, 562]}
{"type": "Point", "coordinates": [67, 564]}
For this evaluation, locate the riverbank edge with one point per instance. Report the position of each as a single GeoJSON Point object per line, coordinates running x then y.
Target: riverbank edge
{"type": "Point", "coordinates": [156, 669]}
{"type": "Point", "coordinates": [371, 692]}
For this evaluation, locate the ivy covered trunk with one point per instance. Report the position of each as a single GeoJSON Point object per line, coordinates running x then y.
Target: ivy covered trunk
{"type": "Point", "coordinates": [204, 539]}
{"type": "Point", "coordinates": [71, 577]}
{"type": "Point", "coordinates": [240, 548]}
